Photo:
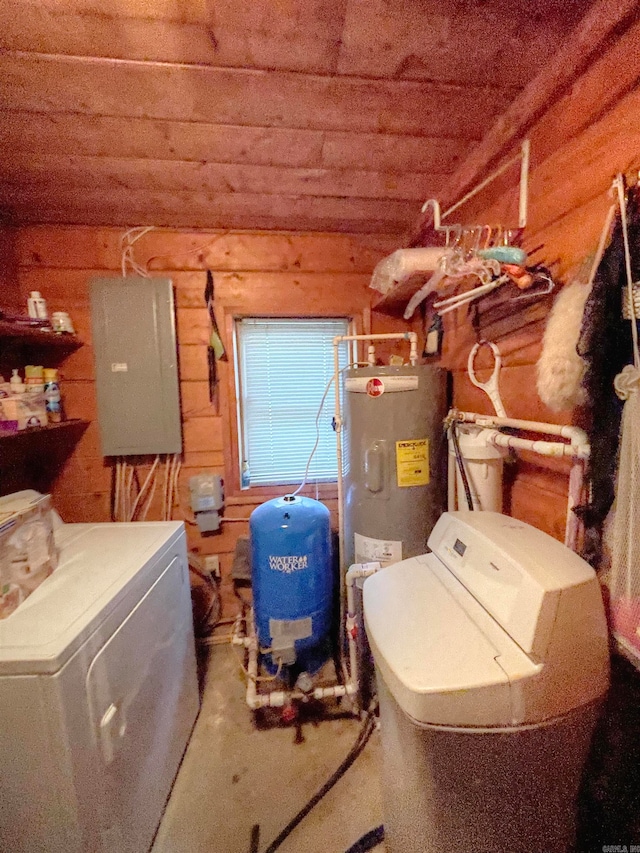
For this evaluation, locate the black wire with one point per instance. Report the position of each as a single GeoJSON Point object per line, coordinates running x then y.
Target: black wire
{"type": "Point", "coordinates": [356, 749]}
{"type": "Point", "coordinates": [206, 625]}
{"type": "Point", "coordinates": [463, 473]}
{"type": "Point", "coordinates": [368, 841]}
{"type": "Point", "coordinates": [112, 498]}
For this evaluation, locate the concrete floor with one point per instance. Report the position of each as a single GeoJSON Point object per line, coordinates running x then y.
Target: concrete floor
{"type": "Point", "coordinates": [235, 775]}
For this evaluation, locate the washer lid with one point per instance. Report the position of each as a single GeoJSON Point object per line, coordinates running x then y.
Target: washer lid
{"type": "Point", "coordinates": [437, 661]}
{"type": "Point", "coordinates": [98, 563]}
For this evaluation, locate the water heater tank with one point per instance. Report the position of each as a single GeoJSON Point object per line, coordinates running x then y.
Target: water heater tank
{"type": "Point", "coordinates": [395, 477]}
{"type": "Point", "coordinates": [292, 580]}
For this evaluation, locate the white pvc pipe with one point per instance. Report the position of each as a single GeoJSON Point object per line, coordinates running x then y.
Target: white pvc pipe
{"type": "Point", "coordinates": [278, 698]}
{"type": "Point", "coordinates": [542, 448]}
{"type": "Point", "coordinates": [412, 337]}
{"type": "Point", "coordinates": [579, 442]}
{"type": "Point", "coordinates": [524, 183]}
{"type": "Point", "coordinates": [578, 449]}
{"type": "Point", "coordinates": [354, 572]}
{"type": "Point", "coordinates": [253, 700]}
{"type": "Point", "coordinates": [338, 428]}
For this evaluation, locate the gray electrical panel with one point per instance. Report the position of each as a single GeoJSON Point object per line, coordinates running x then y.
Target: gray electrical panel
{"type": "Point", "coordinates": [134, 342]}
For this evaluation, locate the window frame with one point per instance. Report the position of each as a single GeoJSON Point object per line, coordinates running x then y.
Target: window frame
{"type": "Point", "coordinates": [234, 493]}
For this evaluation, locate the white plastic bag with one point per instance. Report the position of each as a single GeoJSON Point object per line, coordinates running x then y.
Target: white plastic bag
{"type": "Point", "coordinates": [402, 264]}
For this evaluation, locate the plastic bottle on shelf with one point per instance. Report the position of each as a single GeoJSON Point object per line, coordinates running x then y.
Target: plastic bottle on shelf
{"type": "Point", "coordinates": [52, 396]}
{"type": "Point", "coordinates": [16, 383]}
{"type": "Point", "coordinates": [61, 322]}
{"type": "Point", "coordinates": [37, 306]}
{"type": "Point", "coordinates": [34, 378]}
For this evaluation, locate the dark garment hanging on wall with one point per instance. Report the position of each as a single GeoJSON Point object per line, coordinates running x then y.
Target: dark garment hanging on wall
{"type": "Point", "coordinates": [606, 346]}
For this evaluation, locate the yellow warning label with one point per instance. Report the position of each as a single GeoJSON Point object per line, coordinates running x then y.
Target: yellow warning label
{"type": "Point", "coordinates": [412, 462]}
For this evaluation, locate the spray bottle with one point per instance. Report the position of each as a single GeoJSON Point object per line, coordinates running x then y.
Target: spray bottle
{"type": "Point", "coordinates": [52, 396]}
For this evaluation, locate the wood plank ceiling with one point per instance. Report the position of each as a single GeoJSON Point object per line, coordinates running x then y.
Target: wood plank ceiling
{"type": "Point", "coordinates": [324, 115]}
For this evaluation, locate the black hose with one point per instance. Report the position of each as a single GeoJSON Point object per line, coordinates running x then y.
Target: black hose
{"type": "Point", "coordinates": [459, 460]}
{"type": "Point", "coordinates": [254, 843]}
{"type": "Point", "coordinates": [361, 741]}
{"type": "Point", "coordinates": [368, 841]}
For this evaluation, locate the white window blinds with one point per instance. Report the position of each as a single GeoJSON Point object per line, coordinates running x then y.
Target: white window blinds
{"type": "Point", "coordinates": [284, 366]}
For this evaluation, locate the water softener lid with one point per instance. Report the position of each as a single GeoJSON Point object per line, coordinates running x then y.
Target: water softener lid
{"type": "Point", "coordinates": [439, 665]}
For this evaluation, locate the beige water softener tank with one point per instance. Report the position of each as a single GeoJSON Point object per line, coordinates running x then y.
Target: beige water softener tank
{"type": "Point", "coordinates": [492, 659]}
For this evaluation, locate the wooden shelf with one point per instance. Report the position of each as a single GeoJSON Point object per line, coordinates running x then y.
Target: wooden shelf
{"type": "Point", "coordinates": [36, 434]}
{"type": "Point", "coordinates": [33, 336]}
{"type": "Point", "coordinates": [394, 301]}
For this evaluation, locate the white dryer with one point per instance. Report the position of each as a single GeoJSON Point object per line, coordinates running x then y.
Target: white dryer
{"type": "Point", "coordinates": [98, 692]}
{"type": "Point", "coordinates": [492, 660]}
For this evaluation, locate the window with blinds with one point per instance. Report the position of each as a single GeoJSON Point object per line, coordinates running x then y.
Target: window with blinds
{"type": "Point", "coordinates": [283, 369]}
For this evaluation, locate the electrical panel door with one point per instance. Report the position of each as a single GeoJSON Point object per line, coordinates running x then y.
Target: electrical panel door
{"type": "Point", "coordinates": [134, 342]}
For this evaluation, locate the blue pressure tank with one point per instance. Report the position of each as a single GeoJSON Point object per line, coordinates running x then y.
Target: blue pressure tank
{"type": "Point", "coordinates": [292, 580]}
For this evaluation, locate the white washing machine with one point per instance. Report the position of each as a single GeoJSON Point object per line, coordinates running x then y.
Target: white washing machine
{"type": "Point", "coordinates": [492, 660]}
{"type": "Point", "coordinates": [98, 692]}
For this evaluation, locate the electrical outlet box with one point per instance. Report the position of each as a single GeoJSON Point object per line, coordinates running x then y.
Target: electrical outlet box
{"type": "Point", "coordinates": [206, 492]}
{"type": "Point", "coordinates": [134, 343]}
{"type": "Point", "coordinates": [212, 564]}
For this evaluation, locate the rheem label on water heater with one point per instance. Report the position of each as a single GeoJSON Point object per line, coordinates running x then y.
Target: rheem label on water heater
{"type": "Point", "coordinates": [375, 387]}
{"type": "Point", "coordinates": [412, 462]}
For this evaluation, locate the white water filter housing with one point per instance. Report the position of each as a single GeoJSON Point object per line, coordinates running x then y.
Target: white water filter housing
{"type": "Point", "coordinates": [483, 465]}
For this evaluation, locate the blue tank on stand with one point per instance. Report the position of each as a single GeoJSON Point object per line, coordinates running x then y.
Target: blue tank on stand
{"type": "Point", "coordinates": [292, 580]}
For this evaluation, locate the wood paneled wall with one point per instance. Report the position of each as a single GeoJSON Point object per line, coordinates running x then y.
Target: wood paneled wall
{"type": "Point", "coordinates": [253, 272]}
{"type": "Point", "coordinates": [583, 137]}
{"type": "Point", "coordinates": [10, 296]}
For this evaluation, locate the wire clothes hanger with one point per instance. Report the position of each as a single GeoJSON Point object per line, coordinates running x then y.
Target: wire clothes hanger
{"type": "Point", "coordinates": [459, 261]}
{"type": "Point", "coordinates": [444, 306]}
